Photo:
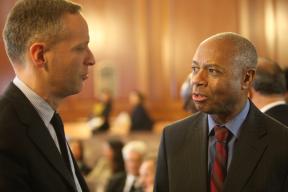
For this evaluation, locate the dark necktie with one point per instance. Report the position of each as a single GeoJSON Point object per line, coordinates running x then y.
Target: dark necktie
{"type": "Point", "coordinates": [59, 129]}
{"type": "Point", "coordinates": [219, 166]}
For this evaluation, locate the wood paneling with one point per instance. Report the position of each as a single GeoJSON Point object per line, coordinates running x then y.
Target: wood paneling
{"type": "Point", "coordinates": [6, 71]}
{"type": "Point", "coordinates": [148, 45]}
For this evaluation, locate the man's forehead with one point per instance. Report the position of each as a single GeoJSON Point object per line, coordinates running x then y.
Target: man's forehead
{"type": "Point", "coordinates": [212, 50]}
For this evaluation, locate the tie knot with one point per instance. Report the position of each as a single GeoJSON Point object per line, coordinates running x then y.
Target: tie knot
{"type": "Point", "coordinates": [56, 120]}
{"type": "Point", "coordinates": [221, 134]}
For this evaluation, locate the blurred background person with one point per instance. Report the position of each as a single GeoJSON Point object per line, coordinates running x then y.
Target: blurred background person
{"type": "Point", "coordinates": [100, 118]}
{"type": "Point", "coordinates": [110, 164]}
{"type": "Point", "coordinates": [186, 95]}
{"type": "Point", "coordinates": [269, 88]}
{"type": "Point", "coordinates": [140, 119]}
{"type": "Point", "coordinates": [133, 153]}
{"type": "Point", "coordinates": [77, 149]}
{"type": "Point", "coordinates": [147, 174]}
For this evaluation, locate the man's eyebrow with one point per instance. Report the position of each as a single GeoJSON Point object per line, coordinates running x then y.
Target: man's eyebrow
{"type": "Point", "coordinates": [205, 64]}
{"type": "Point", "coordinates": [212, 65]}
{"type": "Point", "coordinates": [195, 62]}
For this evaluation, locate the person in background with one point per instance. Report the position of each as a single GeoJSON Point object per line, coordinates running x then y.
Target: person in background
{"type": "Point", "coordinates": [102, 110]}
{"type": "Point", "coordinates": [133, 153]}
{"type": "Point", "coordinates": [110, 164]}
{"type": "Point", "coordinates": [140, 119]}
{"type": "Point", "coordinates": [147, 174]}
{"type": "Point", "coordinates": [229, 145]}
{"type": "Point", "coordinates": [186, 95]}
{"type": "Point", "coordinates": [47, 44]}
{"type": "Point", "coordinates": [268, 90]}
{"type": "Point", "coordinates": [77, 149]}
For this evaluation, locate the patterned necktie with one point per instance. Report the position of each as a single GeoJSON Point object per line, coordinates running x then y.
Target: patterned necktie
{"type": "Point", "coordinates": [59, 129]}
{"type": "Point", "coordinates": [219, 166]}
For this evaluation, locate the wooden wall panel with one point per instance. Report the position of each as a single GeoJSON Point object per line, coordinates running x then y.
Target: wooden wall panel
{"type": "Point", "coordinates": [148, 45]}
{"type": "Point", "coordinates": [265, 24]}
{"type": "Point", "coordinates": [281, 23]}
{"type": "Point", "coordinates": [194, 22]}
{"type": "Point", "coordinates": [6, 71]}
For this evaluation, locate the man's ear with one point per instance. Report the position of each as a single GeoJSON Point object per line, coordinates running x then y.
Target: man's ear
{"type": "Point", "coordinates": [248, 78]}
{"type": "Point", "coordinates": [37, 54]}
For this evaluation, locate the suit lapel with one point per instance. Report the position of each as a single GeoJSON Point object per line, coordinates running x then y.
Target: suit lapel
{"type": "Point", "coordinates": [248, 150]}
{"type": "Point", "coordinates": [38, 132]}
{"type": "Point", "coordinates": [196, 147]}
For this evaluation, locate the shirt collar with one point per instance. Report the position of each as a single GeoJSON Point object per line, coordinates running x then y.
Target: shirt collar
{"type": "Point", "coordinates": [44, 110]}
{"type": "Point", "coordinates": [271, 105]}
{"type": "Point", "coordinates": [234, 124]}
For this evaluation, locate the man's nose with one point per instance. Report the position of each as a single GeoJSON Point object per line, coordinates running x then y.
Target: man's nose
{"type": "Point", "coordinates": [90, 58]}
{"type": "Point", "coordinates": [199, 78]}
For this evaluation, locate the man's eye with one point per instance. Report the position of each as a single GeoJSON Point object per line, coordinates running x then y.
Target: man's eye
{"type": "Point", "coordinates": [213, 71]}
{"type": "Point", "coordinates": [80, 48]}
{"type": "Point", "coordinates": [195, 69]}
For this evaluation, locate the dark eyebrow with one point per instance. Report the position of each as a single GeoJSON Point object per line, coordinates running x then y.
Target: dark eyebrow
{"type": "Point", "coordinates": [206, 64]}
{"type": "Point", "coordinates": [212, 65]}
{"type": "Point", "coordinates": [195, 62]}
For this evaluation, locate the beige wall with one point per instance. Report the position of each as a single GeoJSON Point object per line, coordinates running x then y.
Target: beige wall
{"type": "Point", "coordinates": [148, 45]}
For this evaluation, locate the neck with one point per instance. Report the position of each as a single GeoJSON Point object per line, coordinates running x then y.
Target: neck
{"type": "Point", "coordinates": [224, 117]}
{"type": "Point", "coordinates": [34, 84]}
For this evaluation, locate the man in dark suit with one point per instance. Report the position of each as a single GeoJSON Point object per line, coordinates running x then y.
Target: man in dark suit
{"type": "Point", "coordinates": [47, 44]}
{"type": "Point", "coordinates": [268, 90]}
{"type": "Point", "coordinates": [229, 145]}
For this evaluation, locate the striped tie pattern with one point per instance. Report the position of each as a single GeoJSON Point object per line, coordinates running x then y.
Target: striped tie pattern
{"type": "Point", "coordinates": [219, 166]}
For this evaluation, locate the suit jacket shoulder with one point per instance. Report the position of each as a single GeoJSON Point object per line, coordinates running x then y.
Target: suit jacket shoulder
{"type": "Point", "coordinates": [260, 155]}
{"type": "Point", "coordinates": [29, 159]}
{"type": "Point", "coordinates": [280, 113]}
{"type": "Point", "coordinates": [182, 157]}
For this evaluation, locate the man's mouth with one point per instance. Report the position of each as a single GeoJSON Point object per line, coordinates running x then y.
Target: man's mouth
{"type": "Point", "coordinates": [84, 77]}
{"type": "Point", "coordinates": [198, 97]}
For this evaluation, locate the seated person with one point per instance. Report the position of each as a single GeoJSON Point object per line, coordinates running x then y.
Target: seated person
{"type": "Point", "coordinates": [109, 165]}
{"type": "Point", "coordinates": [99, 120]}
{"type": "Point", "coordinates": [140, 119]}
{"type": "Point", "coordinates": [147, 174]}
{"type": "Point", "coordinates": [133, 153]}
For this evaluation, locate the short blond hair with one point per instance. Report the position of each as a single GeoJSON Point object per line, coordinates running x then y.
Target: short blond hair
{"type": "Point", "coordinates": [32, 20]}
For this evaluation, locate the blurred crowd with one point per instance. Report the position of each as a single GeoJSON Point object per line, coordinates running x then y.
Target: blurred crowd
{"type": "Point", "coordinates": [123, 167]}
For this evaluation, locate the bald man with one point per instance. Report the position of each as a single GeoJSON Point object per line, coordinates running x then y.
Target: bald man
{"type": "Point", "coordinates": [229, 145]}
{"type": "Point", "coordinates": [268, 90]}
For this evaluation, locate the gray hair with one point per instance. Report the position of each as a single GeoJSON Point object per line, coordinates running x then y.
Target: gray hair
{"type": "Point", "coordinates": [32, 20]}
{"type": "Point", "coordinates": [245, 55]}
{"type": "Point", "coordinates": [134, 146]}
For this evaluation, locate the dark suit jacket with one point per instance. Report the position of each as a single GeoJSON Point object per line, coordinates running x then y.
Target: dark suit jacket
{"type": "Point", "coordinates": [140, 119]}
{"type": "Point", "coordinates": [116, 183]}
{"type": "Point", "coordinates": [29, 159]}
{"type": "Point", "coordinates": [259, 163]}
{"type": "Point", "coordinates": [280, 113]}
